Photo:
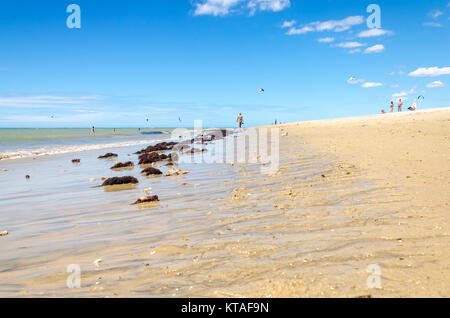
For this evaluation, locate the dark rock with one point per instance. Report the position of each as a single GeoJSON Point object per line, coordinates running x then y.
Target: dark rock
{"type": "Point", "coordinates": [120, 180]}
{"type": "Point", "coordinates": [119, 165]}
{"type": "Point", "coordinates": [76, 160]}
{"type": "Point", "coordinates": [108, 155]}
{"type": "Point", "coordinates": [152, 198]}
{"type": "Point", "coordinates": [151, 171]}
{"type": "Point", "coordinates": [27, 177]}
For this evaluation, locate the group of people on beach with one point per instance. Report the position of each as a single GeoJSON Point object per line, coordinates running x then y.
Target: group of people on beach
{"type": "Point", "coordinates": [399, 106]}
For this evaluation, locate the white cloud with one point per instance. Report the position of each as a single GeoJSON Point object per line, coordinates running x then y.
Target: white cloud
{"type": "Point", "coordinates": [302, 30]}
{"type": "Point", "coordinates": [435, 84]}
{"type": "Point", "coordinates": [435, 13]}
{"type": "Point", "coordinates": [268, 5]}
{"type": "Point", "coordinates": [433, 24]}
{"type": "Point", "coordinates": [430, 71]}
{"type": "Point", "coordinates": [371, 84]}
{"type": "Point", "coordinates": [349, 45]}
{"type": "Point", "coordinates": [215, 7]}
{"type": "Point", "coordinates": [404, 93]}
{"type": "Point", "coordinates": [373, 32]}
{"type": "Point", "coordinates": [330, 25]}
{"type": "Point", "coordinates": [374, 49]}
{"type": "Point", "coordinates": [325, 40]}
{"type": "Point", "coordinates": [339, 25]}
{"type": "Point", "coordinates": [288, 24]}
{"type": "Point", "coordinates": [225, 7]}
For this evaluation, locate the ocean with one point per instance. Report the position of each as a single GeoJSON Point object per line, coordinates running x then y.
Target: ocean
{"type": "Point", "coordinates": [31, 142]}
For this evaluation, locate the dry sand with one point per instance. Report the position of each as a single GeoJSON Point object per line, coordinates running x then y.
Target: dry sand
{"type": "Point", "coordinates": [407, 154]}
{"type": "Point", "coordinates": [350, 194]}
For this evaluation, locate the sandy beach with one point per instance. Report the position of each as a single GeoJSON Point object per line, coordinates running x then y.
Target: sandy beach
{"type": "Point", "coordinates": [350, 194]}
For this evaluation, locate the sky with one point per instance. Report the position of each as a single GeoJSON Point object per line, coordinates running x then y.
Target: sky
{"type": "Point", "coordinates": [189, 60]}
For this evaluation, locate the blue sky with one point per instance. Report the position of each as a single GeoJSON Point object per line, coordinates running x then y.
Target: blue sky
{"type": "Point", "coordinates": [206, 59]}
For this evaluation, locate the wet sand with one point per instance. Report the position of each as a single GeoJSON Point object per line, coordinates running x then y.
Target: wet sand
{"type": "Point", "coordinates": [349, 193]}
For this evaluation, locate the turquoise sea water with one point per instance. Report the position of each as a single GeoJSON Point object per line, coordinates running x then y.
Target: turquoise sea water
{"type": "Point", "coordinates": [18, 143]}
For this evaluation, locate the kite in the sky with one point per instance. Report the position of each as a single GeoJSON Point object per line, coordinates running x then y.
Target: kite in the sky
{"type": "Point", "coordinates": [261, 90]}
{"type": "Point", "coordinates": [352, 79]}
{"type": "Point", "coordinates": [179, 118]}
{"type": "Point", "coordinates": [146, 118]}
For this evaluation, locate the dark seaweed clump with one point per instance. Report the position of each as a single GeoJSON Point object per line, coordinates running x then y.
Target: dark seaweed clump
{"type": "Point", "coordinates": [123, 165]}
{"type": "Point", "coordinates": [120, 180]}
{"type": "Point", "coordinates": [162, 146]}
{"type": "Point", "coordinates": [108, 155]}
{"type": "Point", "coordinates": [151, 171]}
{"type": "Point", "coordinates": [147, 158]}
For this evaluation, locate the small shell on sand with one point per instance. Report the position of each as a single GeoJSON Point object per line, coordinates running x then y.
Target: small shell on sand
{"type": "Point", "coordinates": [91, 180]}
{"type": "Point", "coordinates": [147, 190]}
{"type": "Point", "coordinates": [4, 233]}
{"type": "Point", "coordinates": [176, 171]}
{"type": "Point", "coordinates": [97, 262]}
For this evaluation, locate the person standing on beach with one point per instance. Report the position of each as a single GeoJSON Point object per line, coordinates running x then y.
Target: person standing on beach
{"type": "Point", "coordinates": [400, 104]}
{"type": "Point", "coordinates": [392, 106]}
{"type": "Point", "coordinates": [240, 120]}
{"type": "Point", "coordinates": [93, 130]}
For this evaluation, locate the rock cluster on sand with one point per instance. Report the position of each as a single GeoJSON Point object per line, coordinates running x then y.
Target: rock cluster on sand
{"type": "Point", "coordinates": [120, 165]}
{"type": "Point", "coordinates": [108, 155]}
{"type": "Point", "coordinates": [151, 198]}
{"type": "Point", "coordinates": [120, 180]}
{"type": "Point", "coordinates": [76, 160]}
{"type": "Point", "coordinates": [151, 171]}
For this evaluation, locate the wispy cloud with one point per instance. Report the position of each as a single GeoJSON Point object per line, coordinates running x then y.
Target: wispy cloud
{"type": "Point", "coordinates": [373, 33]}
{"type": "Point", "coordinates": [288, 24]}
{"type": "Point", "coordinates": [268, 5]}
{"type": "Point", "coordinates": [225, 7]}
{"type": "Point", "coordinates": [433, 24]}
{"type": "Point", "coordinates": [430, 71]}
{"type": "Point", "coordinates": [77, 118]}
{"type": "Point", "coordinates": [47, 101]}
{"type": "Point", "coordinates": [325, 40]}
{"type": "Point", "coordinates": [349, 45]}
{"type": "Point", "coordinates": [435, 84]}
{"type": "Point", "coordinates": [330, 25]}
{"type": "Point", "coordinates": [215, 7]}
{"type": "Point", "coordinates": [435, 13]}
{"type": "Point", "coordinates": [371, 85]}
{"type": "Point", "coordinates": [354, 51]}
{"type": "Point", "coordinates": [404, 93]}
{"type": "Point", "coordinates": [378, 48]}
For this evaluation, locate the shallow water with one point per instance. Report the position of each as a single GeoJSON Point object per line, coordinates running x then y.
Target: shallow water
{"type": "Point", "coordinates": [231, 231]}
